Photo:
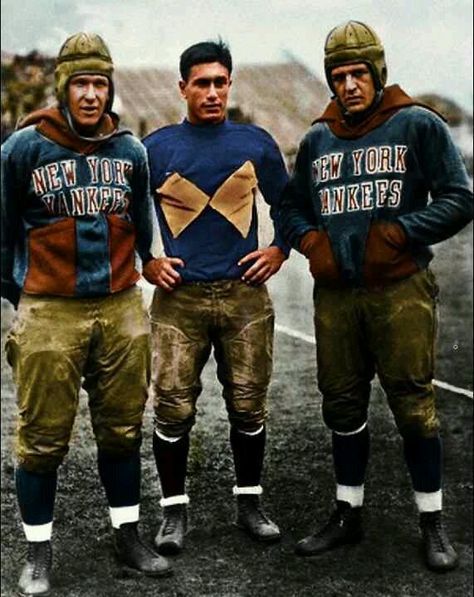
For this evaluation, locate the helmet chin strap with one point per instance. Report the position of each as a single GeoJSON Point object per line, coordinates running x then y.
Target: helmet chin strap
{"type": "Point", "coordinates": [70, 122]}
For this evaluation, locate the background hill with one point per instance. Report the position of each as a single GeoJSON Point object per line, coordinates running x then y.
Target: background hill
{"type": "Point", "coordinates": [283, 98]}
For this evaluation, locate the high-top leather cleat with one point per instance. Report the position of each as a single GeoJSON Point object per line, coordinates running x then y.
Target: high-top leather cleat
{"type": "Point", "coordinates": [133, 553]}
{"type": "Point", "coordinates": [34, 578]}
{"type": "Point", "coordinates": [252, 519]}
{"type": "Point", "coordinates": [170, 537]}
{"type": "Point", "coordinates": [438, 551]}
{"type": "Point", "coordinates": [343, 527]}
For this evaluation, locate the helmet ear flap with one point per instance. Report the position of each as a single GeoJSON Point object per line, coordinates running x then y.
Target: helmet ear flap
{"type": "Point", "coordinates": [354, 42]}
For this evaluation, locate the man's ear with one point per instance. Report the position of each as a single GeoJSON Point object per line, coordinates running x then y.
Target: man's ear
{"type": "Point", "coordinates": [182, 89]}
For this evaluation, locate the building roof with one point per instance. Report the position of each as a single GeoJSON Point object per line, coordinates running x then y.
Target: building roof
{"type": "Point", "coordinates": [282, 98]}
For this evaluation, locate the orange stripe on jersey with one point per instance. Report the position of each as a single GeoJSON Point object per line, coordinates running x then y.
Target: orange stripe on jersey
{"type": "Point", "coordinates": [122, 253]}
{"type": "Point", "coordinates": [52, 259]}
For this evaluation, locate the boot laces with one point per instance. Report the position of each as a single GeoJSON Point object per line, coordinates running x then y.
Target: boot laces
{"type": "Point", "coordinates": [261, 514]}
{"type": "Point", "coordinates": [39, 553]}
{"type": "Point", "coordinates": [171, 520]}
{"type": "Point", "coordinates": [254, 506]}
{"type": "Point", "coordinates": [338, 518]}
{"type": "Point", "coordinates": [130, 530]}
{"type": "Point", "coordinates": [437, 534]}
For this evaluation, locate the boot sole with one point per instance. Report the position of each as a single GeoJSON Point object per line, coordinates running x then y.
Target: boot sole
{"type": "Point", "coordinates": [353, 541]}
{"type": "Point", "coordinates": [129, 572]}
{"type": "Point", "coordinates": [442, 569]}
{"type": "Point", "coordinates": [168, 549]}
{"type": "Point", "coordinates": [22, 594]}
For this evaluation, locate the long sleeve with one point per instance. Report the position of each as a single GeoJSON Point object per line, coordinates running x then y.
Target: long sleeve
{"type": "Point", "coordinates": [296, 215]}
{"type": "Point", "coordinates": [142, 209]}
{"type": "Point", "coordinates": [450, 208]}
{"type": "Point", "coordinates": [10, 225]}
{"type": "Point", "coordinates": [273, 178]}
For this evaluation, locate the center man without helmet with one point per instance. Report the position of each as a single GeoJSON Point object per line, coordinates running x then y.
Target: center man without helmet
{"type": "Point", "coordinates": [211, 292]}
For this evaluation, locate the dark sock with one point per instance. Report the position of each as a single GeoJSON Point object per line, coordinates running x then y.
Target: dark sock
{"type": "Point", "coordinates": [351, 454]}
{"type": "Point", "coordinates": [171, 463]}
{"type": "Point", "coordinates": [248, 451]}
{"type": "Point", "coordinates": [120, 476]}
{"type": "Point", "coordinates": [423, 456]}
{"type": "Point", "coordinates": [36, 493]}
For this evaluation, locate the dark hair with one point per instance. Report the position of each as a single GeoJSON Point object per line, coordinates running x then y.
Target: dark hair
{"type": "Point", "coordinates": [203, 53]}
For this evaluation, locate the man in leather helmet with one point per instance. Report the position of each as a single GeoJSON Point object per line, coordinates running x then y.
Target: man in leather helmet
{"type": "Point", "coordinates": [357, 207]}
{"type": "Point", "coordinates": [75, 207]}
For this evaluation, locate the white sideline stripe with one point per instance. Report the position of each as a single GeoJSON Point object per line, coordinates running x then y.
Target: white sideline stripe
{"type": "Point", "coordinates": [310, 340]}
{"type": "Point", "coordinates": [454, 389]}
{"type": "Point", "coordinates": [295, 334]}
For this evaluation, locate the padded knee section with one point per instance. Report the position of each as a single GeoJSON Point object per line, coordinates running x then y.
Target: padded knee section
{"type": "Point", "coordinates": [248, 423]}
{"type": "Point", "coordinates": [175, 415]}
{"type": "Point", "coordinates": [249, 412]}
{"type": "Point", "coordinates": [342, 415]}
{"type": "Point", "coordinates": [119, 440]}
{"type": "Point", "coordinates": [175, 428]}
{"type": "Point", "coordinates": [417, 421]}
{"type": "Point", "coordinates": [40, 462]}
{"type": "Point", "coordinates": [413, 407]}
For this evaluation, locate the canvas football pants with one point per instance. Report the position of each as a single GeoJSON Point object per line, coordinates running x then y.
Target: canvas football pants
{"type": "Point", "coordinates": [234, 319]}
{"type": "Point", "coordinates": [58, 344]}
{"type": "Point", "coordinates": [389, 332]}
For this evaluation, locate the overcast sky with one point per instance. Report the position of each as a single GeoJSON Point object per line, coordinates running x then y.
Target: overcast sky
{"type": "Point", "coordinates": [428, 43]}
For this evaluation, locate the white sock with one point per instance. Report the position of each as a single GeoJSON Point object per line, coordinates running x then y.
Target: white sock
{"type": "Point", "coordinates": [173, 500]}
{"type": "Point", "coordinates": [124, 514]}
{"type": "Point", "coordinates": [353, 494]}
{"type": "Point", "coordinates": [35, 533]}
{"type": "Point", "coordinates": [429, 502]}
{"type": "Point", "coordinates": [250, 490]}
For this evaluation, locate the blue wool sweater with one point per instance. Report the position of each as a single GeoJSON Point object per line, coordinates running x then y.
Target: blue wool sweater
{"type": "Point", "coordinates": [407, 170]}
{"type": "Point", "coordinates": [204, 180]}
{"type": "Point", "coordinates": [71, 222]}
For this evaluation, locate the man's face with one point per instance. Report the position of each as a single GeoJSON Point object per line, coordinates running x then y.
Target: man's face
{"type": "Point", "coordinates": [206, 92]}
{"type": "Point", "coordinates": [354, 86]}
{"type": "Point", "coordinates": [87, 97]}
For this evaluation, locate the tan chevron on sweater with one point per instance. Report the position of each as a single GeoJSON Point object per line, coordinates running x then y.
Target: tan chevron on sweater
{"type": "Point", "coordinates": [234, 198]}
{"type": "Point", "coordinates": [182, 201]}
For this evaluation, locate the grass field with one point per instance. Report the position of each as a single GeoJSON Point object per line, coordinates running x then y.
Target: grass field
{"type": "Point", "coordinates": [219, 561]}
